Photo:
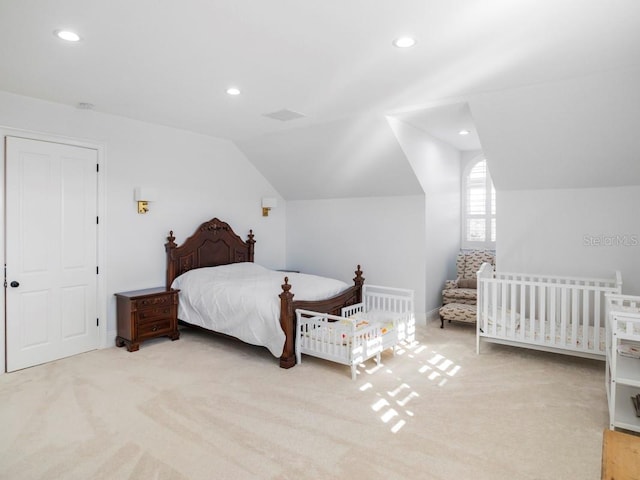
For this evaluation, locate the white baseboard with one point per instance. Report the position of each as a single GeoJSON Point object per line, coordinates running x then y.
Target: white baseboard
{"type": "Point", "coordinates": [110, 340]}
{"type": "Point", "coordinates": [433, 314]}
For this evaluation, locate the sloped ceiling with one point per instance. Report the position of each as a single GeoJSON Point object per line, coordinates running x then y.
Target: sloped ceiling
{"type": "Point", "coordinates": [445, 122]}
{"type": "Point", "coordinates": [573, 133]}
{"type": "Point", "coordinates": [353, 157]}
{"type": "Point", "coordinates": [170, 63]}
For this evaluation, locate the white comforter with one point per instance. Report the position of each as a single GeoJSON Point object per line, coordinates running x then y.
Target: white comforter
{"type": "Point", "coordinates": [241, 300]}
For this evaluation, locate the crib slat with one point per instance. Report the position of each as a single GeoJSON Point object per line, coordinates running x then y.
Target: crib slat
{"type": "Point", "coordinates": [586, 321]}
{"type": "Point", "coordinates": [554, 309]}
{"type": "Point", "coordinates": [484, 295]}
{"type": "Point", "coordinates": [494, 304]}
{"type": "Point", "coordinates": [543, 313]}
{"type": "Point", "coordinates": [563, 316]}
{"type": "Point", "coordinates": [503, 312]}
{"type": "Point", "coordinates": [512, 309]}
{"type": "Point", "coordinates": [574, 316]}
{"type": "Point", "coordinates": [523, 310]}
{"type": "Point", "coordinates": [597, 323]}
{"type": "Point", "coordinates": [532, 311]}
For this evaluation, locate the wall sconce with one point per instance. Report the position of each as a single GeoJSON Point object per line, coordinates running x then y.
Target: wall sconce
{"type": "Point", "coordinates": [143, 196]}
{"type": "Point", "coordinates": [267, 204]}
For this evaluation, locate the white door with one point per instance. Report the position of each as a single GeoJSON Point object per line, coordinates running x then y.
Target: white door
{"type": "Point", "coordinates": [51, 251]}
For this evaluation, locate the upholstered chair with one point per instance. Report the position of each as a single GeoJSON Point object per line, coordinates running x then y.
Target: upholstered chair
{"type": "Point", "coordinates": [459, 296]}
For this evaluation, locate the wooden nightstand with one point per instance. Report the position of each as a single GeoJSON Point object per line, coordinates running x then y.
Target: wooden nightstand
{"type": "Point", "coordinates": [145, 314]}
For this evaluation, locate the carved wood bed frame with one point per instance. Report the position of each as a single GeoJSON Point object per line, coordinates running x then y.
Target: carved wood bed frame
{"type": "Point", "coordinates": [214, 243]}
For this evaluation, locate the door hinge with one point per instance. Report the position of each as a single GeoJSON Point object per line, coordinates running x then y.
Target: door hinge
{"type": "Point", "coordinates": [97, 270]}
{"type": "Point", "coordinates": [97, 220]}
{"type": "Point", "coordinates": [5, 275]}
{"type": "Point", "coordinates": [97, 167]}
{"type": "Point", "coordinates": [97, 322]}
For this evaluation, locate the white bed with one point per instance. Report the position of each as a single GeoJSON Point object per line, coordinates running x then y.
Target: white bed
{"type": "Point", "coordinates": [240, 300]}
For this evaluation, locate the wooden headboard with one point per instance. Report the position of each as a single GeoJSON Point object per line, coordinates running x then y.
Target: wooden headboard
{"type": "Point", "coordinates": [213, 243]}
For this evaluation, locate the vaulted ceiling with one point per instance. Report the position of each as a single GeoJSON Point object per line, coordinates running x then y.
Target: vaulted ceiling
{"type": "Point", "coordinates": [548, 88]}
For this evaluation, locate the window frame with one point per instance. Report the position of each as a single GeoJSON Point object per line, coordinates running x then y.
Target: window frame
{"type": "Point", "coordinates": [490, 208]}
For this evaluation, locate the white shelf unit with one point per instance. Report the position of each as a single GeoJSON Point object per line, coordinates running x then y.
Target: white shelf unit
{"type": "Point", "coordinates": [623, 372]}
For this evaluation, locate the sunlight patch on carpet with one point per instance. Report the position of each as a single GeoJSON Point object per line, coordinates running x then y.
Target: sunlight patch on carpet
{"type": "Point", "coordinates": [391, 404]}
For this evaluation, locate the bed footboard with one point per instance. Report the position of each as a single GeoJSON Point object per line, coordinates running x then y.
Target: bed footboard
{"type": "Point", "coordinates": [332, 306]}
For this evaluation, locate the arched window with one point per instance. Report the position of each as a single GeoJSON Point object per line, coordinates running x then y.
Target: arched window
{"type": "Point", "coordinates": [478, 207]}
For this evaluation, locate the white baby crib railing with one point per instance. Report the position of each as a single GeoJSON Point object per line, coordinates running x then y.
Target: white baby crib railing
{"type": "Point", "coordinates": [392, 308]}
{"type": "Point", "coordinates": [544, 312]}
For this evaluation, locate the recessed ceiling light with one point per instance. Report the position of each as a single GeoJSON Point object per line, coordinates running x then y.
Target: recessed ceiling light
{"type": "Point", "coordinates": [67, 35]}
{"type": "Point", "coordinates": [404, 42]}
{"type": "Point", "coordinates": [233, 91]}
{"type": "Point", "coordinates": [463, 132]}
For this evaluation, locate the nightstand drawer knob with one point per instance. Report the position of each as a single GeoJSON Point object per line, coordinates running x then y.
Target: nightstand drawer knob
{"type": "Point", "coordinates": [154, 328]}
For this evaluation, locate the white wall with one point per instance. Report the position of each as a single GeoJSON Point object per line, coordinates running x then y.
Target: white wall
{"type": "Point", "coordinates": [385, 235]}
{"type": "Point", "coordinates": [403, 241]}
{"type": "Point", "coordinates": [437, 167]}
{"type": "Point", "coordinates": [197, 177]}
{"type": "Point", "coordinates": [582, 232]}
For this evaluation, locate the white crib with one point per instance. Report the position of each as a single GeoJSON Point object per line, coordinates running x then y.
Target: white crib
{"type": "Point", "coordinates": [544, 312]}
{"type": "Point", "coordinates": [392, 308]}
{"type": "Point", "coordinates": [348, 341]}
{"type": "Point", "coordinates": [383, 319]}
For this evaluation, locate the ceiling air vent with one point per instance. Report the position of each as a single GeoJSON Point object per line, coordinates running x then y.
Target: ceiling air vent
{"type": "Point", "coordinates": [284, 115]}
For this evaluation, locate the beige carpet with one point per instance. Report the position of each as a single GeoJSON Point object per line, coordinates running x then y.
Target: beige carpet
{"type": "Point", "coordinates": [205, 407]}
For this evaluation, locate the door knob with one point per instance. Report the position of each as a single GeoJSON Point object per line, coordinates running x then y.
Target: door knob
{"type": "Point", "coordinates": [14, 284]}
